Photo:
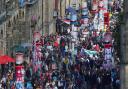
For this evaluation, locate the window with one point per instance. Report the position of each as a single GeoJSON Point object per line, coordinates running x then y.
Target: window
{"type": "Point", "coordinates": [21, 13]}
{"type": "Point", "coordinates": [14, 20]}
{"type": "Point", "coordinates": [1, 32]}
{"type": "Point", "coordinates": [9, 23]}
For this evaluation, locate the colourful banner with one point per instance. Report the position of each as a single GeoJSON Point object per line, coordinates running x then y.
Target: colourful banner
{"type": "Point", "coordinates": [20, 73]}
{"type": "Point", "coordinates": [74, 17]}
{"type": "Point", "coordinates": [106, 20]}
{"type": "Point", "coordinates": [84, 11]}
{"type": "Point", "coordinates": [89, 52]}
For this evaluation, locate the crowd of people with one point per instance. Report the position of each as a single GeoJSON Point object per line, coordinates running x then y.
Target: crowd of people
{"type": "Point", "coordinates": [66, 63]}
{"type": "Point", "coordinates": [66, 69]}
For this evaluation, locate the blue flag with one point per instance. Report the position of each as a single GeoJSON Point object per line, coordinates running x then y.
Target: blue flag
{"type": "Point", "coordinates": [21, 3]}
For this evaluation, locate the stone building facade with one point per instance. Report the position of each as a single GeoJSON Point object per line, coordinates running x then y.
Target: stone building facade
{"type": "Point", "coordinates": [124, 47]}
{"type": "Point", "coordinates": [18, 25]}
{"type": "Point", "coordinates": [7, 11]}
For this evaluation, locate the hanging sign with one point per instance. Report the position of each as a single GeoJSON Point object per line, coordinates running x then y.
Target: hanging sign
{"type": "Point", "coordinates": [108, 53]}
{"type": "Point", "coordinates": [20, 73]}
{"type": "Point", "coordinates": [84, 4]}
{"type": "Point", "coordinates": [73, 17]}
{"type": "Point", "coordinates": [20, 77]}
{"type": "Point", "coordinates": [101, 4]}
{"type": "Point", "coordinates": [84, 11]}
{"type": "Point", "coordinates": [105, 5]}
{"type": "Point", "coordinates": [107, 37]}
{"type": "Point", "coordinates": [95, 6]}
{"type": "Point", "coordinates": [106, 19]}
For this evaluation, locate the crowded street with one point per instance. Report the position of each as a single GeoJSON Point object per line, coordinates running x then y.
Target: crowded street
{"type": "Point", "coordinates": [83, 53]}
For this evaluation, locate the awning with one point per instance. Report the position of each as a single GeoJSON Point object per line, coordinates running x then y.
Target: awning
{"type": "Point", "coordinates": [64, 22]}
{"type": "Point", "coordinates": [6, 59]}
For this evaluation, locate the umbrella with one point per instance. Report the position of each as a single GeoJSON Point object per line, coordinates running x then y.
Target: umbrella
{"type": "Point", "coordinates": [3, 62]}
{"type": "Point", "coordinates": [5, 59]}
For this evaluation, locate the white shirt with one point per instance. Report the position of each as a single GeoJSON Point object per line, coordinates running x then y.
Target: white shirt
{"type": "Point", "coordinates": [66, 48]}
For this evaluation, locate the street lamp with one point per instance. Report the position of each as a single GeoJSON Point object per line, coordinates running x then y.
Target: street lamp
{"type": "Point", "coordinates": [55, 14]}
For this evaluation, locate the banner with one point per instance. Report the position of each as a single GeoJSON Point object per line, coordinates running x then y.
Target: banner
{"type": "Point", "coordinates": [84, 4]}
{"type": "Point", "coordinates": [95, 21]}
{"type": "Point", "coordinates": [101, 4]}
{"type": "Point", "coordinates": [20, 77]}
{"type": "Point", "coordinates": [106, 20]}
{"type": "Point", "coordinates": [84, 11]}
{"type": "Point", "coordinates": [74, 17]}
{"type": "Point", "coordinates": [105, 5]}
{"type": "Point", "coordinates": [101, 21]}
{"type": "Point", "coordinates": [95, 6]}
{"type": "Point", "coordinates": [107, 45]}
{"type": "Point", "coordinates": [20, 73]}
{"type": "Point", "coordinates": [107, 37]}
{"type": "Point", "coordinates": [108, 53]}
{"type": "Point", "coordinates": [90, 53]}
